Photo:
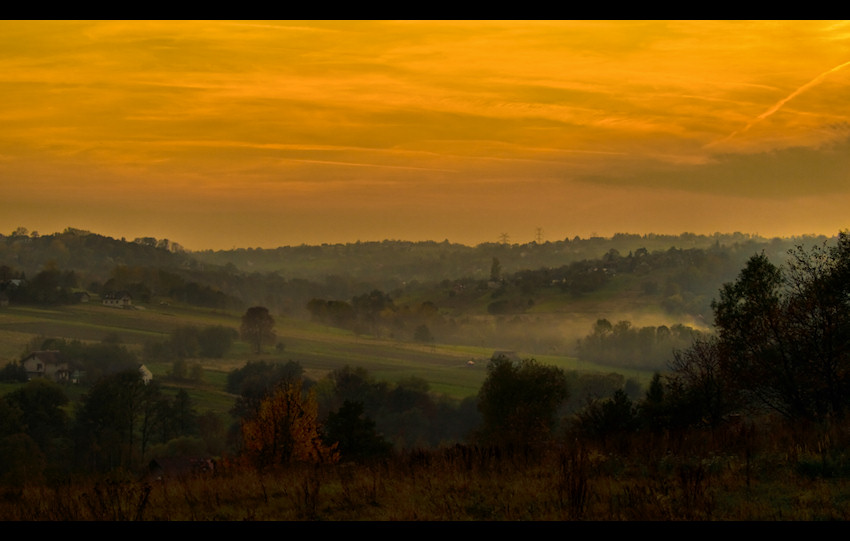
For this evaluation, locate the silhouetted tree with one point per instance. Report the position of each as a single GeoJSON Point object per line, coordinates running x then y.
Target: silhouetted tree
{"type": "Point", "coordinates": [13, 373]}
{"type": "Point", "coordinates": [784, 335]}
{"type": "Point", "coordinates": [42, 403]}
{"type": "Point", "coordinates": [697, 392]}
{"type": "Point", "coordinates": [257, 327]}
{"type": "Point", "coordinates": [610, 417]}
{"type": "Point", "coordinates": [116, 420]}
{"type": "Point", "coordinates": [495, 270]}
{"type": "Point", "coordinates": [354, 433]}
{"type": "Point", "coordinates": [519, 401]}
{"type": "Point", "coordinates": [423, 334]}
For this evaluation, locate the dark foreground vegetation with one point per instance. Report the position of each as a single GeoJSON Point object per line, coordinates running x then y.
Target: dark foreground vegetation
{"type": "Point", "coordinates": [742, 472]}
{"type": "Point", "coordinates": [747, 422]}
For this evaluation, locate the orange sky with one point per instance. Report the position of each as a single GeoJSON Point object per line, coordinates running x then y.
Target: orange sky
{"type": "Point", "coordinates": [261, 134]}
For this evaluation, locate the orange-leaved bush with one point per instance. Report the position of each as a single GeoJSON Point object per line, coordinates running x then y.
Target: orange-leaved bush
{"type": "Point", "coordinates": [285, 429]}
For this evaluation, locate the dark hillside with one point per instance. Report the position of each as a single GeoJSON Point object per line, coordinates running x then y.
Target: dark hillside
{"type": "Point", "coordinates": [391, 262]}
{"type": "Point", "coordinates": [88, 254]}
{"type": "Point", "coordinates": [440, 290]}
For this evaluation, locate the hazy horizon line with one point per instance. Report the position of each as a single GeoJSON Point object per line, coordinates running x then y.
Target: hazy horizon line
{"type": "Point", "coordinates": [592, 236]}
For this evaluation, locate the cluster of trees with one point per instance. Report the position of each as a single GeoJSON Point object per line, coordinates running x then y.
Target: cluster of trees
{"type": "Point", "coordinates": [49, 286]}
{"type": "Point", "coordinates": [122, 416]}
{"type": "Point", "coordinates": [406, 413]}
{"type": "Point", "coordinates": [783, 337]}
{"type": "Point", "coordinates": [53, 286]}
{"type": "Point", "coordinates": [377, 314]}
{"type": "Point", "coordinates": [782, 346]}
{"type": "Point", "coordinates": [119, 420]}
{"type": "Point", "coordinates": [623, 345]}
{"type": "Point", "coordinates": [354, 415]}
{"type": "Point", "coordinates": [88, 254]}
{"type": "Point", "coordinates": [189, 341]}
{"type": "Point", "coordinates": [279, 417]}
{"type": "Point", "coordinates": [520, 401]}
{"type": "Point", "coordinates": [149, 284]}
{"type": "Point", "coordinates": [679, 280]}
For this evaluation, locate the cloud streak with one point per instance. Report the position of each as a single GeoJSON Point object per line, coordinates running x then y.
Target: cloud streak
{"type": "Point", "coordinates": [781, 103]}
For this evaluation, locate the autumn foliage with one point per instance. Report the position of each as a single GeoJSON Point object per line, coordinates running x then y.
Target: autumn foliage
{"type": "Point", "coordinates": [285, 429]}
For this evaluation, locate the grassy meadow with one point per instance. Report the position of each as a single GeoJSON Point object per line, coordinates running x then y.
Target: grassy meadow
{"type": "Point", "coordinates": [455, 371]}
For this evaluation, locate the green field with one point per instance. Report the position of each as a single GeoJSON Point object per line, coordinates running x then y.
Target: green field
{"type": "Point", "coordinates": [451, 370]}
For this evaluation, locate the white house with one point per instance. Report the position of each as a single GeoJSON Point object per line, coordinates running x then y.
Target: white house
{"type": "Point", "coordinates": [48, 364]}
{"type": "Point", "coordinates": [147, 375]}
{"type": "Point", "coordinates": [120, 299]}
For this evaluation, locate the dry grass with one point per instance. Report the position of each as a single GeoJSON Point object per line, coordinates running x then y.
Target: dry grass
{"type": "Point", "coordinates": [728, 475]}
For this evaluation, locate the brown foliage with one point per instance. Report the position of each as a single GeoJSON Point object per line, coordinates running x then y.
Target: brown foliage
{"type": "Point", "coordinates": [285, 430]}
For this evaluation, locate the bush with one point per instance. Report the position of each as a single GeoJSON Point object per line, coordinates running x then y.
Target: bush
{"type": "Point", "coordinates": [13, 373]}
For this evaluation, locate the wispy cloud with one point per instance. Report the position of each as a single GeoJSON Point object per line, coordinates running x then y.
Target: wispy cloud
{"type": "Point", "coordinates": [781, 103]}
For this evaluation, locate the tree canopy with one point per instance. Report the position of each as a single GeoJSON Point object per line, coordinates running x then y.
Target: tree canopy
{"type": "Point", "coordinates": [784, 333]}
{"type": "Point", "coordinates": [257, 327]}
{"type": "Point", "coordinates": [285, 429]}
{"type": "Point", "coordinates": [519, 401]}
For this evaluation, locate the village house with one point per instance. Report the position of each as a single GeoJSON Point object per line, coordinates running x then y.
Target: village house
{"type": "Point", "coordinates": [120, 299]}
{"type": "Point", "coordinates": [47, 364]}
{"type": "Point", "coordinates": [146, 374]}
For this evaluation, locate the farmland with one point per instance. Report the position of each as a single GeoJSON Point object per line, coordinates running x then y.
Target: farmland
{"type": "Point", "coordinates": [319, 349]}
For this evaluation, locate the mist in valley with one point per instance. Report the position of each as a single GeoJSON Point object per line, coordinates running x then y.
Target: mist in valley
{"type": "Point", "coordinates": [536, 299]}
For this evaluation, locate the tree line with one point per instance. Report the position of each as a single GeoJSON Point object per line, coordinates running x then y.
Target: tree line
{"type": "Point", "coordinates": [623, 345]}
{"type": "Point", "coordinates": [682, 271]}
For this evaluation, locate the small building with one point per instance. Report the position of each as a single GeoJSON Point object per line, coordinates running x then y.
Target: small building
{"type": "Point", "coordinates": [147, 375]}
{"type": "Point", "coordinates": [47, 364]}
{"type": "Point", "coordinates": [120, 299]}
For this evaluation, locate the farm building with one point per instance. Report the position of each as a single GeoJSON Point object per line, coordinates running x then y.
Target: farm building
{"type": "Point", "coordinates": [49, 364]}
{"type": "Point", "coordinates": [119, 299]}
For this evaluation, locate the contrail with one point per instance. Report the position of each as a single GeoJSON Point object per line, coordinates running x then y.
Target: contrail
{"type": "Point", "coordinates": [817, 80]}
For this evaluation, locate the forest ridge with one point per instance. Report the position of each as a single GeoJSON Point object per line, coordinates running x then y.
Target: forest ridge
{"type": "Point", "coordinates": [562, 287]}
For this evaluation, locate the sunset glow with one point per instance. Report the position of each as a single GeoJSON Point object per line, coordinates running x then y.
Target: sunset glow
{"type": "Point", "coordinates": [268, 133]}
